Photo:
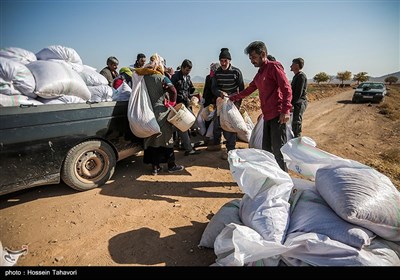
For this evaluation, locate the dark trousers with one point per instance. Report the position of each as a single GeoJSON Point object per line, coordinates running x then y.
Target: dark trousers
{"type": "Point", "coordinates": [298, 111]}
{"type": "Point", "coordinates": [157, 155]}
{"type": "Point", "coordinates": [274, 137]}
{"type": "Point", "coordinates": [230, 137]}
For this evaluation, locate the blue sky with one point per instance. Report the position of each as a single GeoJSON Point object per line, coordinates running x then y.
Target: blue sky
{"type": "Point", "coordinates": [331, 36]}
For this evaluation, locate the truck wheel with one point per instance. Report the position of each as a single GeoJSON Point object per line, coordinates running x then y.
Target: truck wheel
{"type": "Point", "coordinates": [88, 165]}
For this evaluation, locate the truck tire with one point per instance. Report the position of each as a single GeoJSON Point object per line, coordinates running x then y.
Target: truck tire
{"type": "Point", "coordinates": [88, 165]}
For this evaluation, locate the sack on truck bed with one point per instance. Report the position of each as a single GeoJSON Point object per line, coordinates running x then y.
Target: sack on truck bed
{"type": "Point", "coordinates": [16, 78]}
{"type": "Point", "coordinates": [54, 79]}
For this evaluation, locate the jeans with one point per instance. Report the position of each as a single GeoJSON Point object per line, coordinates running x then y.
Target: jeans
{"type": "Point", "coordinates": [185, 140]}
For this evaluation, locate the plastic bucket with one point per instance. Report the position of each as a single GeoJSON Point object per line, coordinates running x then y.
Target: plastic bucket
{"type": "Point", "coordinates": [181, 117]}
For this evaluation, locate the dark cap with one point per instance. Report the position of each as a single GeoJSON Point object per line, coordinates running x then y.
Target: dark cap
{"type": "Point", "coordinates": [225, 54]}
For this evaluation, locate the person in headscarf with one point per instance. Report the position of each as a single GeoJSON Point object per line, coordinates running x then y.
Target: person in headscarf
{"type": "Point", "coordinates": [159, 148]}
{"type": "Point", "coordinates": [208, 96]}
{"type": "Point", "coordinates": [125, 74]}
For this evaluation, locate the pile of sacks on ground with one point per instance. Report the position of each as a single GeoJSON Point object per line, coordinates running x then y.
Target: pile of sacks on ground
{"type": "Point", "coordinates": [348, 214]}
{"type": "Point", "coordinates": [54, 75]}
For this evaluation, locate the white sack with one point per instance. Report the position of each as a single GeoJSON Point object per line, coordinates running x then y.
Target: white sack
{"type": "Point", "coordinates": [142, 120]}
{"type": "Point", "coordinates": [362, 196]}
{"type": "Point", "coordinates": [54, 79]}
{"type": "Point", "coordinates": [246, 135]}
{"type": "Point", "coordinates": [17, 100]}
{"type": "Point", "coordinates": [228, 213]}
{"type": "Point", "coordinates": [91, 77]}
{"type": "Point", "coordinates": [302, 156]}
{"type": "Point", "coordinates": [18, 54]}
{"type": "Point", "coordinates": [255, 170]}
{"type": "Point", "coordinates": [65, 99]}
{"type": "Point", "coordinates": [299, 185]}
{"type": "Point", "coordinates": [200, 122]}
{"type": "Point", "coordinates": [256, 136]}
{"type": "Point", "coordinates": [319, 250]}
{"type": "Point", "coordinates": [312, 214]}
{"type": "Point", "coordinates": [265, 206]}
{"type": "Point", "coordinates": [60, 53]}
{"type": "Point", "coordinates": [100, 93]}
{"type": "Point", "coordinates": [229, 116]}
{"type": "Point", "coordinates": [16, 78]}
{"type": "Point", "coordinates": [237, 245]}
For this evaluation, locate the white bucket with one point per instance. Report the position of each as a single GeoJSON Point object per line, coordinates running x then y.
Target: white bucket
{"type": "Point", "coordinates": [181, 117]}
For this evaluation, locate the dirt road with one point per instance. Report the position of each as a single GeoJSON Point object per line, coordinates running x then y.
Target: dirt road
{"type": "Point", "coordinates": [143, 220]}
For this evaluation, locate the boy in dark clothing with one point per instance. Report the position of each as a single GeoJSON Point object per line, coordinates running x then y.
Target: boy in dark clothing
{"type": "Point", "coordinates": [299, 91]}
{"type": "Point", "coordinates": [184, 87]}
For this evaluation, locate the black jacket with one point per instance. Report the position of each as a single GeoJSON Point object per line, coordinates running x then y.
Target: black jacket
{"type": "Point", "coordinates": [184, 88]}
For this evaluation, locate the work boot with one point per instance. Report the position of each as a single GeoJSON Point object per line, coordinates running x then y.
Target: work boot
{"type": "Point", "coordinates": [213, 148]}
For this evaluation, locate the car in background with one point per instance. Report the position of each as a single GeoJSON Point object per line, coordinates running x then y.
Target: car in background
{"type": "Point", "coordinates": [369, 91]}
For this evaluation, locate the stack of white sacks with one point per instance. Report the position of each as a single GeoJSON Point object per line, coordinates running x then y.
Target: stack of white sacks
{"type": "Point", "coordinates": [347, 216]}
{"type": "Point", "coordinates": [54, 75]}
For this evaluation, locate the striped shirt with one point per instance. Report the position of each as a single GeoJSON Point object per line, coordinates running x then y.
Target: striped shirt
{"type": "Point", "coordinates": [229, 81]}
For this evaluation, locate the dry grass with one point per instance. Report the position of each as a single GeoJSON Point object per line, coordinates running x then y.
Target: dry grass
{"type": "Point", "coordinates": [391, 106]}
{"type": "Point", "coordinates": [389, 161]}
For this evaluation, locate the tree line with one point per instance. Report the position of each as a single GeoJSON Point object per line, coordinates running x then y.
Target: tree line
{"type": "Point", "coordinates": [347, 76]}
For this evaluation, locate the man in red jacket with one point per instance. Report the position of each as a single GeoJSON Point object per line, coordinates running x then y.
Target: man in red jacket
{"type": "Point", "coordinates": [275, 95]}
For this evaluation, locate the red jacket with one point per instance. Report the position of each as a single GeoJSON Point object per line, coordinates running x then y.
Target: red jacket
{"type": "Point", "coordinates": [274, 89]}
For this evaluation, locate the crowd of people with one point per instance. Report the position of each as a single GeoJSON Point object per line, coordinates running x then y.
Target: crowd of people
{"type": "Point", "coordinates": [280, 101]}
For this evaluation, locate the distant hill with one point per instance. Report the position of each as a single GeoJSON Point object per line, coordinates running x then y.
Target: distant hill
{"type": "Point", "coordinates": [382, 78]}
{"type": "Point", "coordinates": [198, 79]}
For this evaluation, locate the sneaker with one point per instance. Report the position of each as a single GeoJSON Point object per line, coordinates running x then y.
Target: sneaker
{"type": "Point", "coordinates": [192, 152]}
{"type": "Point", "coordinates": [156, 171]}
{"type": "Point", "coordinates": [224, 155]}
{"type": "Point", "coordinates": [176, 168]}
{"type": "Point", "coordinates": [213, 148]}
